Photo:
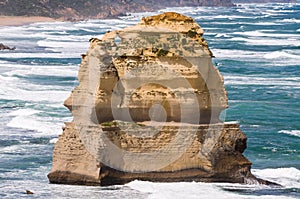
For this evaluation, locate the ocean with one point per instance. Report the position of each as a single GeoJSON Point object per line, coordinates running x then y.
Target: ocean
{"type": "Point", "coordinates": [257, 50]}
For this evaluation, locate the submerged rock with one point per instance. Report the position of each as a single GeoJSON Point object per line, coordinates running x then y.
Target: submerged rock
{"type": "Point", "coordinates": [147, 108]}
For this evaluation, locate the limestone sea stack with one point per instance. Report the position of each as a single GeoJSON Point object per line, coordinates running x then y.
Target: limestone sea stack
{"type": "Point", "coordinates": [147, 108]}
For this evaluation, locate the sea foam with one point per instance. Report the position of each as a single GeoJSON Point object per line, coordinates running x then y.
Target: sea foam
{"type": "Point", "coordinates": [291, 132]}
{"type": "Point", "coordinates": [265, 81]}
{"type": "Point", "coordinates": [193, 190]}
{"type": "Point", "coordinates": [281, 54]}
{"type": "Point", "coordinates": [287, 177]}
{"type": "Point", "coordinates": [32, 123]}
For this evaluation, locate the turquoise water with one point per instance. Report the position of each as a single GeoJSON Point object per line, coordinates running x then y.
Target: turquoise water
{"type": "Point", "coordinates": [262, 78]}
{"type": "Point", "coordinates": [257, 49]}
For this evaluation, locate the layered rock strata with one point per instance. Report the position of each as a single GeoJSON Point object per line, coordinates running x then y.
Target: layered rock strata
{"type": "Point", "coordinates": [147, 107]}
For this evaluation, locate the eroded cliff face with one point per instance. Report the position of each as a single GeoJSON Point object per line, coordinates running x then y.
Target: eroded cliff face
{"type": "Point", "coordinates": [147, 107]}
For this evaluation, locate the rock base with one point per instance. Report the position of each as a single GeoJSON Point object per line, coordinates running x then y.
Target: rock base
{"type": "Point", "coordinates": [73, 164]}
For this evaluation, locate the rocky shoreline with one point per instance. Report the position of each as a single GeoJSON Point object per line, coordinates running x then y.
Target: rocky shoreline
{"type": "Point", "coordinates": [14, 13]}
{"type": "Point", "coordinates": [68, 10]}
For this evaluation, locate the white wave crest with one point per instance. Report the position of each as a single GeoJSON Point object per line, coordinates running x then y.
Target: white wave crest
{"type": "Point", "coordinates": [266, 33]}
{"type": "Point", "coordinates": [7, 78]}
{"type": "Point", "coordinates": [56, 54]}
{"type": "Point", "coordinates": [254, 80]}
{"type": "Point", "coordinates": [193, 190]}
{"type": "Point", "coordinates": [293, 20]}
{"type": "Point", "coordinates": [291, 132]}
{"type": "Point", "coordinates": [281, 54]}
{"type": "Point", "coordinates": [53, 141]}
{"type": "Point", "coordinates": [24, 70]}
{"type": "Point", "coordinates": [267, 23]}
{"type": "Point", "coordinates": [41, 96]}
{"type": "Point", "coordinates": [23, 112]}
{"type": "Point", "coordinates": [33, 123]}
{"type": "Point", "coordinates": [61, 46]}
{"type": "Point", "coordinates": [236, 54]}
{"type": "Point", "coordinates": [180, 190]}
{"type": "Point", "coordinates": [13, 149]}
{"type": "Point", "coordinates": [287, 177]}
{"type": "Point", "coordinates": [255, 41]}
{"type": "Point", "coordinates": [222, 35]}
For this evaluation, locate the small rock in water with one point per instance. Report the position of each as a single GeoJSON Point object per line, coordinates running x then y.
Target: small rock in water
{"type": "Point", "coordinates": [4, 47]}
{"type": "Point", "coordinates": [29, 192]}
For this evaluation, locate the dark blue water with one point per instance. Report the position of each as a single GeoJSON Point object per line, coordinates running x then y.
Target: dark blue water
{"type": "Point", "coordinates": [257, 49]}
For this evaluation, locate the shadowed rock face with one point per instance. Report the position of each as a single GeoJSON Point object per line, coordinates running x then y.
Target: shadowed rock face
{"type": "Point", "coordinates": [148, 108]}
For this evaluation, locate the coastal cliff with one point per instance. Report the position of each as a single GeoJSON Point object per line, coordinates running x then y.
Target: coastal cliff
{"type": "Point", "coordinates": [87, 9]}
{"type": "Point", "coordinates": [99, 9]}
{"type": "Point", "coordinates": [147, 108]}
{"type": "Point", "coordinates": [265, 1]}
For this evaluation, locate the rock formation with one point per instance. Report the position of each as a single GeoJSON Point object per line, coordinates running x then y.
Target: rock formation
{"type": "Point", "coordinates": [147, 107]}
{"type": "Point", "coordinates": [4, 47]}
{"type": "Point", "coordinates": [87, 9]}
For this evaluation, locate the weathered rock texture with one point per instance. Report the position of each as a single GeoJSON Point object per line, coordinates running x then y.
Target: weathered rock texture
{"type": "Point", "coordinates": [148, 108]}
